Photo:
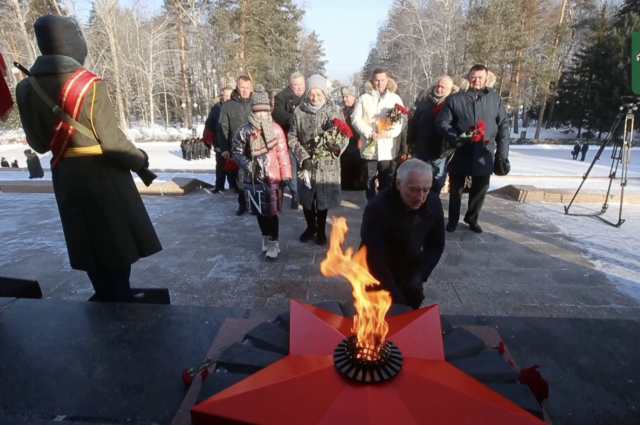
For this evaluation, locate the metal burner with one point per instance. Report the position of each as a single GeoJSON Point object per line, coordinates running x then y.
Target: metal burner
{"type": "Point", "coordinates": [367, 364]}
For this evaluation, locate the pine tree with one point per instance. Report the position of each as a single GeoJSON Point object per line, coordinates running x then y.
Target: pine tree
{"type": "Point", "coordinates": [311, 54]}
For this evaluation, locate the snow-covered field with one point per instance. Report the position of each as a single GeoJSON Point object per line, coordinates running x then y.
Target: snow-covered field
{"type": "Point", "coordinates": [614, 251]}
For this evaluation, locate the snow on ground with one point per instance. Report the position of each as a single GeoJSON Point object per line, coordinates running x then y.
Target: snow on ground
{"type": "Point", "coordinates": [614, 251]}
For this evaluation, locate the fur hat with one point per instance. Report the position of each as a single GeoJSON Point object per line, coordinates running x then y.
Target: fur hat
{"type": "Point", "coordinates": [317, 81]}
{"type": "Point", "coordinates": [60, 35]}
{"type": "Point", "coordinates": [260, 100]}
{"type": "Point", "coordinates": [349, 91]}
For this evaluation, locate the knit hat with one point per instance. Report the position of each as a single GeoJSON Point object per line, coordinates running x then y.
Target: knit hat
{"type": "Point", "coordinates": [260, 100]}
{"type": "Point", "coordinates": [59, 35]}
{"type": "Point", "coordinates": [349, 91]}
{"type": "Point", "coordinates": [317, 81]}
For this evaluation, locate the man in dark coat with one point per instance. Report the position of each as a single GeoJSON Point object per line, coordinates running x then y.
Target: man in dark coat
{"type": "Point", "coordinates": [428, 145]}
{"type": "Point", "coordinates": [105, 222]}
{"type": "Point", "coordinates": [460, 112]}
{"type": "Point", "coordinates": [576, 150]}
{"type": "Point", "coordinates": [233, 115]}
{"type": "Point", "coordinates": [584, 150]}
{"type": "Point", "coordinates": [33, 165]}
{"type": "Point", "coordinates": [4, 163]}
{"type": "Point", "coordinates": [353, 174]}
{"type": "Point", "coordinates": [285, 105]}
{"type": "Point", "coordinates": [403, 232]}
{"type": "Point", "coordinates": [209, 136]}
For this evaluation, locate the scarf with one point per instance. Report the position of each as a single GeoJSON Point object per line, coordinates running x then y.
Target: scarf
{"type": "Point", "coordinates": [265, 127]}
{"type": "Point", "coordinates": [437, 99]}
{"type": "Point", "coordinates": [308, 107]}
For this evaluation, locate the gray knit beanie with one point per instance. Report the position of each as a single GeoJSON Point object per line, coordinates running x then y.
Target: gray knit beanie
{"type": "Point", "coordinates": [260, 100]}
{"type": "Point", "coordinates": [317, 81]}
{"type": "Point", "coordinates": [349, 91]}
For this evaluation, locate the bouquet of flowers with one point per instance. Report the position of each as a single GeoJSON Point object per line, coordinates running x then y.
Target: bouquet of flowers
{"type": "Point", "coordinates": [394, 116]}
{"type": "Point", "coordinates": [328, 143]}
{"type": "Point", "coordinates": [477, 133]}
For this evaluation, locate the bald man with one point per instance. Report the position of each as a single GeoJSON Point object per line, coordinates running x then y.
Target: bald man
{"type": "Point", "coordinates": [428, 144]}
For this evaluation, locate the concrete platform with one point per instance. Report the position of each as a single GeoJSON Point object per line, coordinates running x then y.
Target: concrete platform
{"type": "Point", "coordinates": [87, 363]}
{"type": "Point", "coordinates": [527, 193]}
{"type": "Point", "coordinates": [178, 186]}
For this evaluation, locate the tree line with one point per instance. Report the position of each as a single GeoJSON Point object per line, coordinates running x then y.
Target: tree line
{"type": "Point", "coordinates": [559, 62]}
{"type": "Point", "coordinates": [170, 63]}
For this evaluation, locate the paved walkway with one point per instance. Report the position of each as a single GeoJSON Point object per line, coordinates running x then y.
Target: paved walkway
{"type": "Point", "coordinates": [518, 267]}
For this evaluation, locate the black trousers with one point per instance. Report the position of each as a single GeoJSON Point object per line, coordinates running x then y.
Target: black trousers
{"type": "Point", "coordinates": [269, 226]}
{"type": "Point", "coordinates": [383, 170]}
{"type": "Point", "coordinates": [221, 175]}
{"type": "Point", "coordinates": [479, 188]}
{"type": "Point", "coordinates": [112, 286]}
{"type": "Point", "coordinates": [316, 219]}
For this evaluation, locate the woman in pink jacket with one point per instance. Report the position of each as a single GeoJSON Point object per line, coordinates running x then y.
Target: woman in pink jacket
{"type": "Point", "coordinates": [260, 149]}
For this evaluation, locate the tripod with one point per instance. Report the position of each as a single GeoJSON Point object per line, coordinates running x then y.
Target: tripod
{"type": "Point", "coordinates": [621, 155]}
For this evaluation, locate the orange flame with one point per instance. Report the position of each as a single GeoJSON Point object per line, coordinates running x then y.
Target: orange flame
{"type": "Point", "coordinates": [371, 307]}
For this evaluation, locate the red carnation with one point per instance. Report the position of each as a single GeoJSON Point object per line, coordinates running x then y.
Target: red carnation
{"type": "Point", "coordinates": [486, 142]}
{"type": "Point", "coordinates": [472, 129]}
{"type": "Point", "coordinates": [501, 348]}
{"type": "Point", "coordinates": [481, 125]}
{"type": "Point", "coordinates": [204, 373]}
{"type": "Point", "coordinates": [538, 385]}
{"type": "Point", "coordinates": [186, 377]}
{"type": "Point", "coordinates": [402, 110]}
{"type": "Point", "coordinates": [343, 128]}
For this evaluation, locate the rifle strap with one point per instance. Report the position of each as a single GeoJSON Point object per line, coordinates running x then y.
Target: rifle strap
{"type": "Point", "coordinates": [59, 112]}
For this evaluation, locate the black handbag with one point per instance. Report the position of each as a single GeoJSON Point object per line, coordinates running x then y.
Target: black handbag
{"type": "Point", "coordinates": [501, 166]}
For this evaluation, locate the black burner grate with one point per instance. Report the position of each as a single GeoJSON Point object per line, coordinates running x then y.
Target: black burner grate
{"type": "Point", "coordinates": [367, 364]}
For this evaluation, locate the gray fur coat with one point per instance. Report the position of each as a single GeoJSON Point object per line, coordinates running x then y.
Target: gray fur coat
{"type": "Point", "coordinates": [325, 178]}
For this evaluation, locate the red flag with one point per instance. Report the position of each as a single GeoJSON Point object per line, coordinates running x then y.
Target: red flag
{"type": "Point", "coordinates": [6, 101]}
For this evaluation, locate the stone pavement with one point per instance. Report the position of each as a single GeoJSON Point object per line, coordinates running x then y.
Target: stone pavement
{"type": "Point", "coordinates": [518, 267]}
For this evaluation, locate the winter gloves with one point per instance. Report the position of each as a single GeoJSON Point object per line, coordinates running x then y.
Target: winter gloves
{"type": "Point", "coordinates": [284, 183]}
{"type": "Point", "coordinates": [333, 147]}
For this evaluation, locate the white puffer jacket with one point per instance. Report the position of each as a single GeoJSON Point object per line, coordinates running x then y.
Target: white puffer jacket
{"type": "Point", "coordinates": [372, 107]}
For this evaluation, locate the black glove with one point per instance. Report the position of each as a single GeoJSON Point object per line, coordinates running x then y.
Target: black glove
{"type": "Point", "coordinates": [461, 141]}
{"type": "Point", "coordinates": [333, 147]}
{"type": "Point", "coordinates": [414, 292]}
{"type": "Point", "coordinates": [146, 159]}
{"type": "Point", "coordinates": [284, 183]}
{"type": "Point", "coordinates": [306, 165]}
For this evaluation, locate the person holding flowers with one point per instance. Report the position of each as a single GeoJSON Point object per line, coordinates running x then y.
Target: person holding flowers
{"type": "Point", "coordinates": [318, 137]}
{"type": "Point", "coordinates": [476, 125]}
{"type": "Point", "coordinates": [378, 118]}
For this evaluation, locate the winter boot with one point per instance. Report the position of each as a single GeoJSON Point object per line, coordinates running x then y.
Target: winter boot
{"type": "Point", "coordinates": [322, 226]}
{"type": "Point", "coordinates": [310, 218]}
{"type": "Point", "coordinates": [265, 243]}
{"type": "Point", "coordinates": [273, 250]}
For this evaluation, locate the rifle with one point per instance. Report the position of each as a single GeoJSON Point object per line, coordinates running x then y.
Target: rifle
{"type": "Point", "coordinates": [146, 175]}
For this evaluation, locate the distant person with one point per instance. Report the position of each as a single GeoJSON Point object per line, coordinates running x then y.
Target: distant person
{"type": "Point", "coordinates": [233, 115]}
{"type": "Point", "coordinates": [584, 150]}
{"type": "Point", "coordinates": [33, 165]}
{"type": "Point", "coordinates": [576, 150]}
{"type": "Point", "coordinates": [14, 163]}
{"type": "Point", "coordinates": [105, 223]}
{"type": "Point", "coordinates": [264, 161]}
{"type": "Point", "coordinates": [285, 104]}
{"type": "Point", "coordinates": [272, 96]}
{"type": "Point", "coordinates": [4, 163]}
{"type": "Point", "coordinates": [209, 136]}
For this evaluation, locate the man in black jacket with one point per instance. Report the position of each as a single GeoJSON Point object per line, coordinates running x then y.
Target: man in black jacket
{"type": "Point", "coordinates": [286, 103]}
{"type": "Point", "coordinates": [460, 112]}
{"type": "Point", "coordinates": [428, 145]}
{"type": "Point", "coordinates": [209, 137]}
{"type": "Point", "coordinates": [233, 115]}
{"type": "Point", "coordinates": [403, 232]}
